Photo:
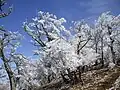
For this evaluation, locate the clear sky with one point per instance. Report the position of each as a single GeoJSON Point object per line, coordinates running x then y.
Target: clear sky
{"type": "Point", "coordinates": [69, 9]}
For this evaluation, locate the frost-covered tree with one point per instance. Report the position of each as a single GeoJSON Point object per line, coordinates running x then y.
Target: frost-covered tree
{"type": "Point", "coordinates": [25, 72]}
{"type": "Point", "coordinates": [49, 34]}
{"type": "Point", "coordinates": [45, 28]}
{"type": "Point", "coordinates": [82, 41]}
{"type": "Point", "coordinates": [82, 35]}
{"type": "Point", "coordinates": [9, 41]}
{"type": "Point", "coordinates": [2, 13]}
{"type": "Point", "coordinates": [107, 27]}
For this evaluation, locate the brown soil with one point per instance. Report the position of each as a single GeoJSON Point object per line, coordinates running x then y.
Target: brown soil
{"type": "Point", "coordinates": [98, 79]}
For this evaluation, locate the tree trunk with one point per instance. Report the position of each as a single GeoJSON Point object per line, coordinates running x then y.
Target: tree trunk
{"type": "Point", "coordinates": [64, 79]}
{"type": "Point", "coordinates": [102, 56]}
{"type": "Point", "coordinates": [96, 43]}
{"type": "Point", "coordinates": [112, 52]}
{"type": "Point", "coordinates": [70, 75]}
{"type": "Point", "coordinates": [111, 44]}
{"type": "Point", "coordinates": [8, 70]}
{"type": "Point", "coordinates": [96, 48]}
{"type": "Point", "coordinates": [79, 73]}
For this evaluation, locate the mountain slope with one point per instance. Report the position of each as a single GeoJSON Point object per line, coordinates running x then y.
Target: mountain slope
{"type": "Point", "coordinates": [102, 79]}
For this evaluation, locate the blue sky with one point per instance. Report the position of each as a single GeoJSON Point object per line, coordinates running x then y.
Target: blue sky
{"type": "Point", "coordinates": [69, 9]}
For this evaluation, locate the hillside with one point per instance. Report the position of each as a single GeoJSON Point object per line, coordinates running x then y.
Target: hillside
{"type": "Point", "coordinates": [103, 79]}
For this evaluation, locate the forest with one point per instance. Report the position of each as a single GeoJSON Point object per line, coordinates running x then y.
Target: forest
{"type": "Point", "coordinates": [64, 55]}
